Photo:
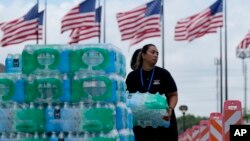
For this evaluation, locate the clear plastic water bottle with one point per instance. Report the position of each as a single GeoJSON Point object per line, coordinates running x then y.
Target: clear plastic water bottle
{"type": "Point", "coordinates": [124, 135]}
{"type": "Point", "coordinates": [121, 116]}
{"type": "Point", "coordinates": [98, 118]}
{"type": "Point", "coordinates": [12, 137]}
{"type": "Point", "coordinates": [49, 86]}
{"type": "Point", "coordinates": [53, 137]}
{"type": "Point", "coordinates": [44, 137]}
{"type": "Point", "coordinates": [29, 119]}
{"type": "Point", "coordinates": [77, 93]}
{"type": "Point", "coordinates": [64, 65]}
{"type": "Point", "coordinates": [19, 95]}
{"type": "Point", "coordinates": [66, 89]}
{"type": "Point", "coordinates": [8, 63]}
{"type": "Point", "coordinates": [73, 137]}
{"type": "Point", "coordinates": [31, 93]}
{"type": "Point", "coordinates": [61, 136]}
{"type": "Point", "coordinates": [131, 135]}
{"type": "Point", "coordinates": [51, 125]}
{"type": "Point", "coordinates": [6, 116]}
{"type": "Point", "coordinates": [129, 118]}
{"type": "Point", "coordinates": [4, 137]}
{"type": "Point", "coordinates": [7, 88]}
{"type": "Point", "coordinates": [70, 118]}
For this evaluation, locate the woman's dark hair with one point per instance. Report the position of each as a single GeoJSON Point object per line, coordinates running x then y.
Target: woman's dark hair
{"type": "Point", "coordinates": [134, 59]}
{"type": "Point", "coordinates": [144, 49]}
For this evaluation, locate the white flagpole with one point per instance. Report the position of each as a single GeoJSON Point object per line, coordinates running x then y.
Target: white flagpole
{"type": "Point", "coordinates": [104, 21]}
{"type": "Point", "coordinates": [45, 22]}
{"type": "Point", "coordinates": [37, 32]}
{"type": "Point", "coordinates": [226, 83]}
{"type": "Point", "coordinates": [162, 33]}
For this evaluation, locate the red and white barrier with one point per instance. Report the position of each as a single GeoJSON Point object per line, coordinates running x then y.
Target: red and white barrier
{"type": "Point", "coordinates": [195, 133]}
{"type": "Point", "coordinates": [232, 115]}
{"type": "Point", "coordinates": [216, 127]}
{"type": "Point", "coordinates": [188, 134]}
{"type": "Point", "coordinates": [204, 130]}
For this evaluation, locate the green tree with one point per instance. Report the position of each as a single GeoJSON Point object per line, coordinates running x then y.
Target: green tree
{"type": "Point", "coordinates": [190, 120]}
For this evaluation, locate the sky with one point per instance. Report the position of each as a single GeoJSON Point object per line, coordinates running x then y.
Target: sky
{"type": "Point", "coordinates": [192, 64]}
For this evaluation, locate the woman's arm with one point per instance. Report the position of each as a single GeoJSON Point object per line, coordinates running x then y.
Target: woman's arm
{"type": "Point", "coordinates": [173, 99]}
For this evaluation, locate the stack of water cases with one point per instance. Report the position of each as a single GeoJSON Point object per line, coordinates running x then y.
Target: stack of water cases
{"type": "Point", "coordinates": [98, 85]}
{"type": "Point", "coordinates": [71, 93]}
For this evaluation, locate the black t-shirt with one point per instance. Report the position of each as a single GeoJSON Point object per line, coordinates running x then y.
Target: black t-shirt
{"type": "Point", "coordinates": [156, 80]}
{"type": "Point", "coordinates": [163, 83]}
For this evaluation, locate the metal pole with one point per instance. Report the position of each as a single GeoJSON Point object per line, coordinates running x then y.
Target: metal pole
{"type": "Point", "coordinates": [244, 66]}
{"type": "Point", "coordinates": [217, 63]}
{"type": "Point", "coordinates": [226, 89]}
{"type": "Point", "coordinates": [246, 86]}
{"type": "Point", "coordinates": [163, 35]}
{"type": "Point", "coordinates": [104, 21]}
{"type": "Point", "coordinates": [184, 126]}
{"type": "Point", "coordinates": [45, 22]}
{"type": "Point", "coordinates": [221, 73]}
{"type": "Point", "coordinates": [37, 32]}
{"type": "Point", "coordinates": [99, 37]}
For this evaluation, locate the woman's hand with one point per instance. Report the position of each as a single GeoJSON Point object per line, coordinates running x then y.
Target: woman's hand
{"type": "Point", "coordinates": [168, 117]}
{"type": "Point", "coordinates": [173, 98]}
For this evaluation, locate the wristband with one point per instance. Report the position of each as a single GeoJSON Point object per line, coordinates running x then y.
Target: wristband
{"type": "Point", "coordinates": [170, 108]}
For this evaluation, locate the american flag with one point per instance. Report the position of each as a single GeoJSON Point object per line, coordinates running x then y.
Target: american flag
{"type": "Point", "coordinates": [140, 23]}
{"type": "Point", "coordinates": [28, 27]}
{"type": "Point", "coordinates": [200, 24]}
{"type": "Point", "coordinates": [87, 32]}
{"type": "Point", "coordinates": [79, 16]}
{"type": "Point", "coordinates": [243, 49]}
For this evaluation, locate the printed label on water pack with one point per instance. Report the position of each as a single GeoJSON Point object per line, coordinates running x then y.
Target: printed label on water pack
{"type": "Point", "coordinates": [57, 114]}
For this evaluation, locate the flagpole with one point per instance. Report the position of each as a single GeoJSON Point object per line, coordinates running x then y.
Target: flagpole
{"type": "Point", "coordinates": [218, 96]}
{"type": "Point", "coordinates": [244, 68]}
{"type": "Point", "coordinates": [45, 24]}
{"type": "Point", "coordinates": [99, 37]}
{"type": "Point", "coordinates": [226, 89]}
{"type": "Point", "coordinates": [163, 35]}
{"type": "Point", "coordinates": [221, 72]}
{"type": "Point", "coordinates": [104, 21]}
{"type": "Point", "coordinates": [37, 32]}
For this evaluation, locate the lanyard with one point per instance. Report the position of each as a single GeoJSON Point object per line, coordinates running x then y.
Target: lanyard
{"type": "Point", "coordinates": [152, 75]}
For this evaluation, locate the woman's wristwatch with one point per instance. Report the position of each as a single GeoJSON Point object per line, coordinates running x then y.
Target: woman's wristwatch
{"type": "Point", "coordinates": [170, 108]}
